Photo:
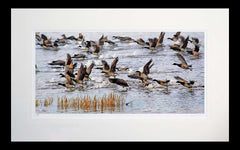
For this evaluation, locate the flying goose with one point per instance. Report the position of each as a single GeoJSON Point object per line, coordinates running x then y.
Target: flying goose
{"type": "Point", "coordinates": [79, 56]}
{"type": "Point", "coordinates": [140, 41]}
{"type": "Point", "coordinates": [118, 81]}
{"type": "Point", "coordinates": [162, 82]}
{"type": "Point", "coordinates": [69, 83]}
{"type": "Point", "coordinates": [112, 70]}
{"type": "Point", "coordinates": [57, 62]}
{"type": "Point", "coordinates": [122, 38]}
{"type": "Point", "coordinates": [184, 82]}
{"type": "Point", "coordinates": [194, 51]}
{"type": "Point", "coordinates": [184, 64]}
{"type": "Point", "coordinates": [146, 71]}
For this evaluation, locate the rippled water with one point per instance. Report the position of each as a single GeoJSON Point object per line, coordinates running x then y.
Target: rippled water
{"type": "Point", "coordinates": [151, 99]}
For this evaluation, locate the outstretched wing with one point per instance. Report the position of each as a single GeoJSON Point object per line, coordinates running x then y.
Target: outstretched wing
{"type": "Point", "coordinates": [185, 42]}
{"type": "Point", "coordinates": [97, 49]}
{"type": "Point", "coordinates": [181, 58]}
{"type": "Point", "coordinates": [44, 37]}
{"type": "Point", "coordinates": [146, 68]}
{"type": "Point", "coordinates": [81, 72]}
{"type": "Point", "coordinates": [195, 39]}
{"type": "Point", "coordinates": [113, 65]}
{"type": "Point", "coordinates": [105, 65]}
{"type": "Point", "coordinates": [177, 34]}
{"type": "Point", "coordinates": [180, 79]}
{"type": "Point", "coordinates": [89, 69]}
{"type": "Point", "coordinates": [161, 37]}
{"type": "Point", "coordinates": [196, 48]}
{"type": "Point", "coordinates": [69, 59]}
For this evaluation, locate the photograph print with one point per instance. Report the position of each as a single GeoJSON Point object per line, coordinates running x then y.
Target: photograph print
{"type": "Point", "coordinates": [119, 72]}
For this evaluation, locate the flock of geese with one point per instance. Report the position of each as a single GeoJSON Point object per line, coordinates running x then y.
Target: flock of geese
{"type": "Point", "coordinates": [180, 44]}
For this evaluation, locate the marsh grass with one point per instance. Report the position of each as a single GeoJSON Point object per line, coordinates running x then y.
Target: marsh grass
{"type": "Point", "coordinates": [108, 102]}
{"type": "Point", "coordinates": [46, 102]}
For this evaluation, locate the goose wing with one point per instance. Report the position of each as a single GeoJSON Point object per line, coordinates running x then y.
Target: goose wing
{"type": "Point", "coordinates": [69, 59]}
{"type": "Point", "coordinates": [44, 37]}
{"type": "Point", "coordinates": [195, 39]}
{"type": "Point", "coordinates": [89, 69]}
{"type": "Point", "coordinates": [140, 40]}
{"type": "Point", "coordinates": [105, 65]}
{"type": "Point", "coordinates": [181, 58]}
{"type": "Point", "coordinates": [161, 37]}
{"type": "Point", "coordinates": [97, 49]}
{"type": "Point", "coordinates": [113, 65]}
{"type": "Point", "coordinates": [177, 34]}
{"type": "Point", "coordinates": [185, 42]}
{"type": "Point", "coordinates": [81, 72]}
{"type": "Point", "coordinates": [180, 79]}
{"type": "Point", "coordinates": [146, 68]}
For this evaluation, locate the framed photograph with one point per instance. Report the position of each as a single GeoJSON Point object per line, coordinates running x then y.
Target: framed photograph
{"type": "Point", "coordinates": [134, 79]}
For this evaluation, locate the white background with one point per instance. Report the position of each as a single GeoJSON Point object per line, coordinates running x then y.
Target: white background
{"type": "Point", "coordinates": [213, 127]}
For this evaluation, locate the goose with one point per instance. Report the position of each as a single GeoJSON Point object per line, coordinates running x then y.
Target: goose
{"type": "Point", "coordinates": [57, 62]}
{"type": "Point", "coordinates": [179, 46]}
{"type": "Point", "coordinates": [183, 82]}
{"type": "Point", "coordinates": [162, 82]}
{"type": "Point", "coordinates": [63, 40]}
{"type": "Point", "coordinates": [69, 83]}
{"type": "Point", "coordinates": [96, 50]}
{"type": "Point", "coordinates": [102, 40]}
{"type": "Point", "coordinates": [152, 44]}
{"type": "Point", "coordinates": [140, 41]}
{"type": "Point", "coordinates": [184, 64]}
{"type": "Point", "coordinates": [118, 81]}
{"type": "Point", "coordinates": [80, 37]}
{"type": "Point", "coordinates": [122, 38]}
{"type": "Point", "coordinates": [48, 44]}
{"type": "Point", "coordinates": [146, 71]}
{"type": "Point", "coordinates": [79, 56]}
{"type": "Point", "coordinates": [194, 51]}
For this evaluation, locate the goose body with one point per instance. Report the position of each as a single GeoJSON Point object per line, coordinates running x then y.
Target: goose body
{"type": "Point", "coordinates": [118, 81]}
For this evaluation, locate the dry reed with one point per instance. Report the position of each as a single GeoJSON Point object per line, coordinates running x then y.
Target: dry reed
{"type": "Point", "coordinates": [86, 103]}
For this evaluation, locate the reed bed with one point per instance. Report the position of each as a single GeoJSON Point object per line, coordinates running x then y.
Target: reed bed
{"type": "Point", "coordinates": [107, 102]}
{"type": "Point", "coordinates": [88, 104]}
{"type": "Point", "coordinates": [45, 102]}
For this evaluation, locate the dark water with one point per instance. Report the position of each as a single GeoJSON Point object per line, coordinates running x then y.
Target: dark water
{"type": "Point", "coordinates": [151, 99]}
